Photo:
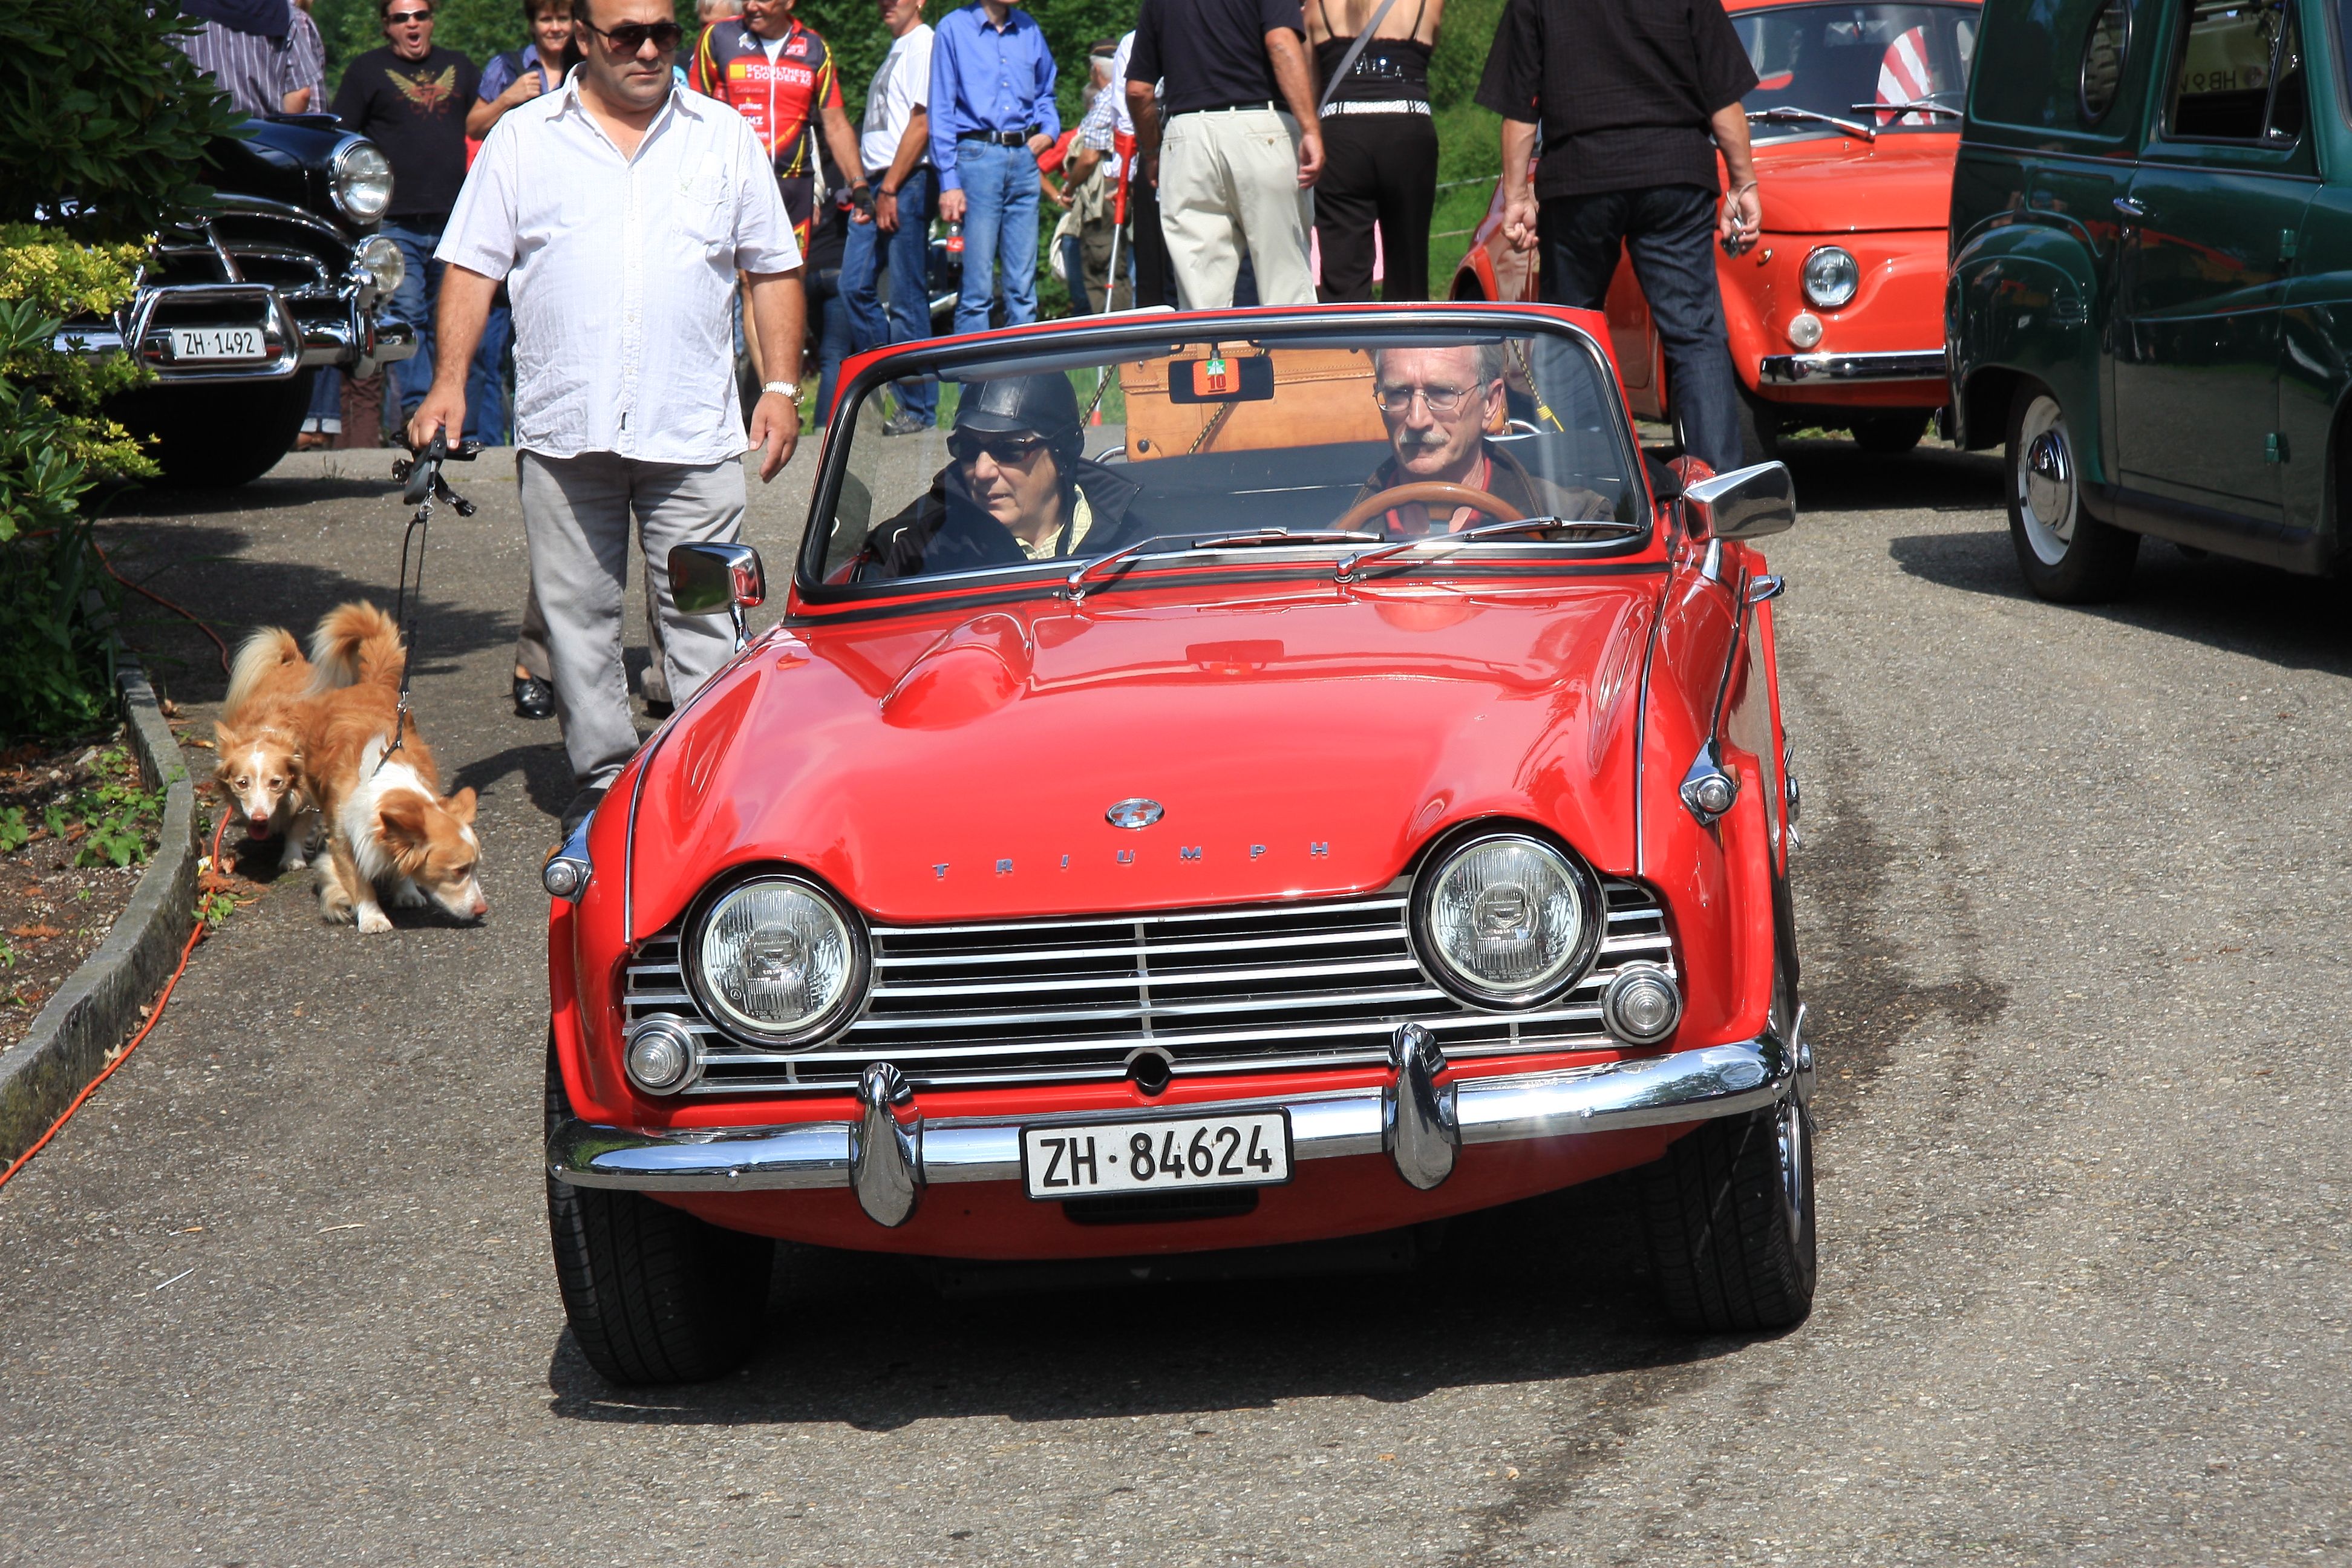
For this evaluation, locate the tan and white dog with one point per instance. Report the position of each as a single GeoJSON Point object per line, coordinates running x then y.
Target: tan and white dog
{"type": "Point", "coordinates": [388, 827]}
{"type": "Point", "coordinates": [259, 737]}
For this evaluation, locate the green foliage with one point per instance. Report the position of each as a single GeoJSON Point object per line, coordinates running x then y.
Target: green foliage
{"type": "Point", "coordinates": [102, 120]}
{"type": "Point", "coordinates": [14, 830]}
{"type": "Point", "coordinates": [46, 279]}
{"type": "Point", "coordinates": [118, 817]}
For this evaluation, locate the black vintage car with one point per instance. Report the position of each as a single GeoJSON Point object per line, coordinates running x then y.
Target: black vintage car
{"type": "Point", "coordinates": [237, 311]}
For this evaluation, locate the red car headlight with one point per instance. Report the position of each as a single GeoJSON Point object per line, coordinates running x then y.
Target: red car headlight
{"type": "Point", "coordinates": [776, 958]}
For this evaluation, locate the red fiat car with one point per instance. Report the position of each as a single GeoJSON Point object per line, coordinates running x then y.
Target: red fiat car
{"type": "Point", "coordinates": [1836, 313]}
{"type": "Point", "coordinates": [1246, 778]}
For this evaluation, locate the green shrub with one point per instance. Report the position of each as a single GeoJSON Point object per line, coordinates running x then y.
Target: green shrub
{"type": "Point", "coordinates": [103, 121]}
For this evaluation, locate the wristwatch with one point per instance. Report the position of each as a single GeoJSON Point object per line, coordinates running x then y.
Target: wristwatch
{"type": "Point", "coordinates": [791, 389]}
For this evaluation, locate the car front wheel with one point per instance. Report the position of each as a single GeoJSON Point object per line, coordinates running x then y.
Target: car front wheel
{"type": "Point", "coordinates": [216, 437]}
{"type": "Point", "coordinates": [1889, 435]}
{"type": "Point", "coordinates": [1729, 1215]}
{"type": "Point", "coordinates": [653, 1294]}
{"type": "Point", "coordinates": [2067, 555]}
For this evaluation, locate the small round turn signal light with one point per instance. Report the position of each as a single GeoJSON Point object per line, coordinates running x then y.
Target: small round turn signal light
{"type": "Point", "coordinates": [661, 1056]}
{"type": "Point", "coordinates": [1642, 1005]}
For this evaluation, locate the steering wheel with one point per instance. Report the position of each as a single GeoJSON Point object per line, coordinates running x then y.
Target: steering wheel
{"type": "Point", "coordinates": [1427, 492]}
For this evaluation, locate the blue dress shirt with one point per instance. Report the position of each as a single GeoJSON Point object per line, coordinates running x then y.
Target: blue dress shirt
{"type": "Point", "coordinates": [986, 77]}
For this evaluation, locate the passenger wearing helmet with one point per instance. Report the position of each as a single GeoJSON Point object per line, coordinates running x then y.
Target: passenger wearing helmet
{"type": "Point", "coordinates": [1016, 489]}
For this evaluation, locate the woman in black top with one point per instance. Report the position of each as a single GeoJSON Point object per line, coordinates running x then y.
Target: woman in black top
{"type": "Point", "coordinates": [1380, 148]}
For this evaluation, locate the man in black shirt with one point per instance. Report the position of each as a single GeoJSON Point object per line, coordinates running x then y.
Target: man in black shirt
{"type": "Point", "coordinates": [1240, 147]}
{"type": "Point", "coordinates": [411, 100]}
{"type": "Point", "coordinates": [1628, 93]}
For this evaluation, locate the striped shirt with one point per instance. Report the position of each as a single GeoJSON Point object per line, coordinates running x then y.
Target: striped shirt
{"type": "Point", "coordinates": [257, 73]}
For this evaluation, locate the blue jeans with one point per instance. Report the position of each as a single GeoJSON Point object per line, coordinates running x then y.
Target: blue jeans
{"type": "Point", "coordinates": [416, 299]}
{"type": "Point", "coordinates": [486, 380]}
{"type": "Point", "coordinates": [1669, 231]}
{"type": "Point", "coordinates": [1000, 224]}
{"type": "Point", "coordinates": [905, 251]}
{"type": "Point", "coordinates": [413, 301]}
{"type": "Point", "coordinates": [835, 331]}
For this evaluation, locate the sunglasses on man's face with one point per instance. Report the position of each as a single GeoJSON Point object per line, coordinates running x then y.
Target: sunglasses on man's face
{"type": "Point", "coordinates": [630, 38]}
{"type": "Point", "coordinates": [1005, 451]}
{"type": "Point", "coordinates": [401, 18]}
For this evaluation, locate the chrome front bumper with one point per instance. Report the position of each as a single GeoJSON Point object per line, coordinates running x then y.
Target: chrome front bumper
{"type": "Point", "coordinates": [891, 1152]}
{"type": "Point", "coordinates": [1791, 370]}
{"type": "Point", "coordinates": [300, 331]}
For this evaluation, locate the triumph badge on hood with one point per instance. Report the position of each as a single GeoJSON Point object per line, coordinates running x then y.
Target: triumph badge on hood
{"type": "Point", "coordinates": [1137, 813]}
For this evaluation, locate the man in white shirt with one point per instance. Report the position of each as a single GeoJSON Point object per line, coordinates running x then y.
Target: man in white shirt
{"type": "Point", "coordinates": [619, 210]}
{"type": "Point", "coordinates": [894, 147]}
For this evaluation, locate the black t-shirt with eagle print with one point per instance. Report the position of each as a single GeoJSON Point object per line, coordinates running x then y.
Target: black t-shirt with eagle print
{"type": "Point", "coordinates": [414, 110]}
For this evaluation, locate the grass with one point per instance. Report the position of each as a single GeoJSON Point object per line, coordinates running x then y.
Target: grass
{"type": "Point", "coordinates": [1469, 159]}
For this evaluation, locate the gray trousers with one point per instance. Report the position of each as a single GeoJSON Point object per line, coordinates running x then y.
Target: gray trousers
{"type": "Point", "coordinates": [530, 646]}
{"type": "Point", "coordinates": [576, 514]}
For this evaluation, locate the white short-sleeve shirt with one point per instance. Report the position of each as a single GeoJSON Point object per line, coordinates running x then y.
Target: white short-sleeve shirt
{"type": "Point", "coordinates": [902, 84]}
{"type": "Point", "coordinates": [621, 271]}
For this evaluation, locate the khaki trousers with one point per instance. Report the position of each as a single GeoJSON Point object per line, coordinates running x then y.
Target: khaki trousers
{"type": "Point", "coordinates": [1228, 187]}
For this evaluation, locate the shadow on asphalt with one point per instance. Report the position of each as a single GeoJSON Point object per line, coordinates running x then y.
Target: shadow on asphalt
{"type": "Point", "coordinates": [205, 568]}
{"type": "Point", "coordinates": [1555, 1287]}
{"type": "Point", "coordinates": [1838, 477]}
{"type": "Point", "coordinates": [546, 775]}
{"type": "Point", "coordinates": [2297, 623]}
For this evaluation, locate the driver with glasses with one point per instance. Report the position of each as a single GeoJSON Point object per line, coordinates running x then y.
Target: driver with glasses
{"type": "Point", "coordinates": [1438, 405]}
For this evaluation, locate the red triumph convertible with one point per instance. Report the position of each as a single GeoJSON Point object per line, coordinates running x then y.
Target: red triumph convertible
{"type": "Point", "coordinates": [1246, 778]}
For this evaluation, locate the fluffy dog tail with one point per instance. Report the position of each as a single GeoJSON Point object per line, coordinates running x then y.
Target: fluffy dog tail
{"type": "Point", "coordinates": [355, 643]}
{"type": "Point", "coordinates": [269, 649]}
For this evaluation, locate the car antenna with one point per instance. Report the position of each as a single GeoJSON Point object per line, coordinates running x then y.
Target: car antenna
{"type": "Point", "coordinates": [426, 486]}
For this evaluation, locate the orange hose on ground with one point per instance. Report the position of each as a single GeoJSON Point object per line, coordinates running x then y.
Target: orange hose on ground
{"type": "Point", "coordinates": [187, 615]}
{"type": "Point", "coordinates": [154, 1014]}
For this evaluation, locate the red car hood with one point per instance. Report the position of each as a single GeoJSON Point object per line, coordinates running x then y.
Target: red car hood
{"type": "Point", "coordinates": [1836, 184]}
{"type": "Point", "coordinates": [960, 765]}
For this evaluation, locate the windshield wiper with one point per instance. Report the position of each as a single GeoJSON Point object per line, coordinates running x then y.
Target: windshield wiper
{"type": "Point", "coordinates": [1606, 527]}
{"type": "Point", "coordinates": [1788, 111]}
{"type": "Point", "coordinates": [1918, 106]}
{"type": "Point", "coordinates": [1074, 585]}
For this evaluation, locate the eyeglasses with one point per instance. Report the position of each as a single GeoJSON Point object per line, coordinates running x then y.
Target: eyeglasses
{"type": "Point", "coordinates": [401, 18]}
{"type": "Point", "coordinates": [630, 38]}
{"type": "Point", "coordinates": [1441, 400]}
{"type": "Point", "coordinates": [1005, 451]}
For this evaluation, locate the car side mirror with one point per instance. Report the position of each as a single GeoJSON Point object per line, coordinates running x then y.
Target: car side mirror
{"type": "Point", "coordinates": [1745, 503]}
{"type": "Point", "coordinates": [709, 579]}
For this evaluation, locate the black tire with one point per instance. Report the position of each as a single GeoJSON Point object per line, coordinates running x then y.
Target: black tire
{"type": "Point", "coordinates": [221, 434]}
{"type": "Point", "coordinates": [1889, 435]}
{"type": "Point", "coordinates": [2068, 556]}
{"type": "Point", "coordinates": [654, 1295]}
{"type": "Point", "coordinates": [1729, 1217]}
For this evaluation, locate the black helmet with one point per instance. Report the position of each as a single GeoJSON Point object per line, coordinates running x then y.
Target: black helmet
{"type": "Point", "coordinates": [1039, 405]}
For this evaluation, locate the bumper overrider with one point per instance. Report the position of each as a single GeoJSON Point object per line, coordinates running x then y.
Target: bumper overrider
{"type": "Point", "coordinates": [1421, 1118]}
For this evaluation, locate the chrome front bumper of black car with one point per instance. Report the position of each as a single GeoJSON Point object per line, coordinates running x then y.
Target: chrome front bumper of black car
{"type": "Point", "coordinates": [1419, 1119]}
{"type": "Point", "coordinates": [299, 332]}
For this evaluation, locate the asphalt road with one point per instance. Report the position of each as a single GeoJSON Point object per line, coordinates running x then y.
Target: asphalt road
{"type": "Point", "coordinates": [2073, 894]}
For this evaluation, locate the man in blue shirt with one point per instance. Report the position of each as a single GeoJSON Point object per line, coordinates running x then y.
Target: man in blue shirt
{"type": "Point", "coordinates": [993, 113]}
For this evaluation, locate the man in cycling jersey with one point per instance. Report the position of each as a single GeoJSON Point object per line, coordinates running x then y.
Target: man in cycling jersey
{"type": "Point", "coordinates": [780, 75]}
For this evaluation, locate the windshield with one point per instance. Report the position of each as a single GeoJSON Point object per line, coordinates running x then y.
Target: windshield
{"type": "Point", "coordinates": [1845, 61]}
{"type": "Point", "coordinates": [1049, 454]}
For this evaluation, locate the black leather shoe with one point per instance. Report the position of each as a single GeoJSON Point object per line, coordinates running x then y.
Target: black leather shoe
{"type": "Point", "coordinates": [534, 698]}
{"type": "Point", "coordinates": [586, 801]}
{"type": "Point", "coordinates": [657, 709]}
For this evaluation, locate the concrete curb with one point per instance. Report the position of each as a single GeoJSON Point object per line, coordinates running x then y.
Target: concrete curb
{"type": "Point", "coordinates": [94, 1011]}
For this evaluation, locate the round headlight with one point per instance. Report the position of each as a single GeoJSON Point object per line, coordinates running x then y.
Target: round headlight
{"type": "Point", "coordinates": [1507, 920]}
{"type": "Point", "coordinates": [381, 259]}
{"type": "Point", "coordinates": [1832, 276]}
{"type": "Point", "coordinates": [363, 181]}
{"type": "Point", "coordinates": [777, 959]}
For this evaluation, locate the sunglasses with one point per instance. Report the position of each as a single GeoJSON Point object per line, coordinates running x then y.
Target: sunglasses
{"type": "Point", "coordinates": [401, 18]}
{"type": "Point", "coordinates": [630, 38]}
{"type": "Point", "coordinates": [1006, 451]}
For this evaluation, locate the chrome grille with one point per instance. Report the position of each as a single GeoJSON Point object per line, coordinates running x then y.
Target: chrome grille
{"type": "Point", "coordinates": [291, 251]}
{"type": "Point", "coordinates": [1317, 982]}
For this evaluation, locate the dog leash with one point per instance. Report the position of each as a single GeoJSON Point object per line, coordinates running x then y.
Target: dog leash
{"type": "Point", "coordinates": [426, 486]}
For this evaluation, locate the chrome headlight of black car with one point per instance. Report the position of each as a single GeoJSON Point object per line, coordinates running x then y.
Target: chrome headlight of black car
{"type": "Point", "coordinates": [1503, 918]}
{"type": "Point", "coordinates": [777, 958]}
{"type": "Point", "coordinates": [380, 260]}
{"type": "Point", "coordinates": [1831, 277]}
{"type": "Point", "coordinates": [362, 181]}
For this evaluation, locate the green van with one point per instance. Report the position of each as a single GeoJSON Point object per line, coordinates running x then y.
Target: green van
{"type": "Point", "coordinates": [2151, 295]}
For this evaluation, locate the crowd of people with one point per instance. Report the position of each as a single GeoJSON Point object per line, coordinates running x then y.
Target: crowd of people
{"type": "Point", "coordinates": [576, 210]}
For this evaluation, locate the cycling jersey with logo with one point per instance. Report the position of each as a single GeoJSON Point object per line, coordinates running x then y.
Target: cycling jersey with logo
{"type": "Point", "coordinates": [778, 96]}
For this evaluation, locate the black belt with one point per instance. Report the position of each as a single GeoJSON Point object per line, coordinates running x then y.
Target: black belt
{"type": "Point", "coordinates": [1244, 107]}
{"type": "Point", "coordinates": [998, 138]}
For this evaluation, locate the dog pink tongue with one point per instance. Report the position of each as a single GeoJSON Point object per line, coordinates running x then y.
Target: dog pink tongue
{"type": "Point", "coordinates": [258, 830]}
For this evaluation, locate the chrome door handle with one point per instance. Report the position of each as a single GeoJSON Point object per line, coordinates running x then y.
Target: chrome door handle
{"type": "Point", "coordinates": [2130, 208]}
